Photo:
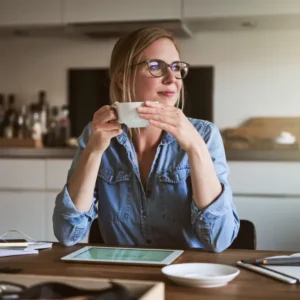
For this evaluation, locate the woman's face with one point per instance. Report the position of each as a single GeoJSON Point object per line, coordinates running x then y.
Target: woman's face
{"type": "Point", "coordinates": [164, 89]}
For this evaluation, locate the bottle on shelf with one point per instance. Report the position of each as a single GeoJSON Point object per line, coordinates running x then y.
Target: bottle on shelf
{"type": "Point", "coordinates": [53, 128]}
{"type": "Point", "coordinates": [10, 117]}
{"type": "Point", "coordinates": [36, 130]}
{"type": "Point", "coordinates": [43, 108]}
{"type": "Point", "coordinates": [64, 126]}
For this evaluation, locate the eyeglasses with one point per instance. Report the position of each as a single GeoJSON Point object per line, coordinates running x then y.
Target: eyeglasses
{"type": "Point", "coordinates": [159, 68]}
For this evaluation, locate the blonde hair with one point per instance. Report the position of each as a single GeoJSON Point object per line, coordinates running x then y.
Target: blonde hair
{"type": "Point", "coordinates": [128, 51]}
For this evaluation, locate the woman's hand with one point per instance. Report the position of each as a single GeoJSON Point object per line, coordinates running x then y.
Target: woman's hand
{"type": "Point", "coordinates": [104, 128]}
{"type": "Point", "coordinates": [172, 120]}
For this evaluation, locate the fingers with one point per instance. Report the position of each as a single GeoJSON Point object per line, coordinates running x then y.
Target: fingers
{"type": "Point", "coordinates": [160, 118]}
{"type": "Point", "coordinates": [107, 126]}
{"type": "Point", "coordinates": [104, 115]}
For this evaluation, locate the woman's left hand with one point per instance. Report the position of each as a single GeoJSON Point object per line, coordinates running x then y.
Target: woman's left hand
{"type": "Point", "coordinates": [172, 120]}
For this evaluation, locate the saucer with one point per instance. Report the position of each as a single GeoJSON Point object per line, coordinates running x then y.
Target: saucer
{"type": "Point", "coordinates": [202, 275]}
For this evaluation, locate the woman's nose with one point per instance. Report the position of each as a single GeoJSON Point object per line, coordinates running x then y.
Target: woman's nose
{"type": "Point", "coordinates": [169, 77]}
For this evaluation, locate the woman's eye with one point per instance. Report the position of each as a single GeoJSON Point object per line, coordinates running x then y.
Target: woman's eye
{"type": "Point", "coordinates": [154, 66]}
{"type": "Point", "coordinates": [176, 68]}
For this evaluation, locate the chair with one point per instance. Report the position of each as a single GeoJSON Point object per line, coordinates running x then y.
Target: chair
{"type": "Point", "coordinates": [246, 238]}
{"type": "Point", "coordinates": [95, 236]}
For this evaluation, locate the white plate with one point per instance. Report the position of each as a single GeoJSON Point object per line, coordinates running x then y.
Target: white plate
{"type": "Point", "coordinates": [201, 274]}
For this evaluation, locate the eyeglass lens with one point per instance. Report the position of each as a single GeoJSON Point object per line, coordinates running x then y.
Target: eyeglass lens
{"type": "Point", "coordinates": [159, 68]}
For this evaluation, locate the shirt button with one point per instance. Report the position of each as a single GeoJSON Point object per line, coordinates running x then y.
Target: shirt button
{"type": "Point", "coordinates": [149, 241]}
{"type": "Point", "coordinates": [144, 215]}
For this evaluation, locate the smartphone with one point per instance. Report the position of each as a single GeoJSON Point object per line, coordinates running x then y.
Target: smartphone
{"type": "Point", "coordinates": [13, 243]}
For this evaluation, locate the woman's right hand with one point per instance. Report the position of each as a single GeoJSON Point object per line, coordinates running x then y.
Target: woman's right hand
{"type": "Point", "coordinates": [103, 129]}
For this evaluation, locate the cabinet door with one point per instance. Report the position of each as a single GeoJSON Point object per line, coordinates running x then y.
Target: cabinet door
{"type": "Point", "coordinates": [50, 202]}
{"type": "Point", "coordinates": [22, 174]}
{"type": "Point", "coordinates": [23, 211]}
{"type": "Point", "coordinates": [56, 173]}
{"type": "Point", "coordinates": [119, 10]}
{"type": "Point", "coordinates": [276, 220]}
{"type": "Point", "coordinates": [264, 178]}
{"type": "Point", "coordinates": [194, 9]}
{"type": "Point", "coordinates": [30, 12]}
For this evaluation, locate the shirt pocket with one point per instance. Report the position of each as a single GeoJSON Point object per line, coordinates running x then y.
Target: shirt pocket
{"type": "Point", "coordinates": [115, 194]}
{"type": "Point", "coordinates": [175, 194]}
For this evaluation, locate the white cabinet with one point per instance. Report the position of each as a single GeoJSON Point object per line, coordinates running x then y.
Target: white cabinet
{"type": "Point", "coordinates": [195, 9]}
{"type": "Point", "coordinates": [276, 220]}
{"type": "Point", "coordinates": [30, 12]}
{"type": "Point", "coordinates": [56, 173]}
{"type": "Point", "coordinates": [22, 174]}
{"type": "Point", "coordinates": [50, 202]}
{"type": "Point", "coordinates": [23, 211]}
{"type": "Point", "coordinates": [265, 178]}
{"type": "Point", "coordinates": [119, 10]}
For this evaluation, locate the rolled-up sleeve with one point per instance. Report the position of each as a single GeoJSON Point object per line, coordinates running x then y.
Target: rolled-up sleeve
{"type": "Point", "coordinates": [218, 225]}
{"type": "Point", "coordinates": [70, 226]}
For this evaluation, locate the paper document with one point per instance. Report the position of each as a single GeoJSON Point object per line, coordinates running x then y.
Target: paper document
{"type": "Point", "coordinates": [4, 252]}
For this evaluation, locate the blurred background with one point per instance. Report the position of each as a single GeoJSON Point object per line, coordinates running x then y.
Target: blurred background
{"type": "Point", "coordinates": [244, 77]}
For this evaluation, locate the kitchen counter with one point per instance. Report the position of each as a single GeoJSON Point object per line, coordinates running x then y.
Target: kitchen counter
{"type": "Point", "coordinates": [38, 153]}
{"type": "Point", "coordinates": [232, 155]}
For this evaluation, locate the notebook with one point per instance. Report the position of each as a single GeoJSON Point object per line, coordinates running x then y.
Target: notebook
{"type": "Point", "coordinates": [288, 274]}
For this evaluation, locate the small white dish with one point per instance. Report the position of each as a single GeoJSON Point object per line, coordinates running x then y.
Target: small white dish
{"type": "Point", "coordinates": [202, 275]}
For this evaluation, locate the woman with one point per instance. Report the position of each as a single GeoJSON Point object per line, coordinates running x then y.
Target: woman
{"type": "Point", "coordinates": [164, 185]}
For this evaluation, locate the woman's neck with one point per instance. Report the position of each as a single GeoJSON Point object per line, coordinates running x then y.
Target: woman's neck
{"type": "Point", "coordinates": [148, 139]}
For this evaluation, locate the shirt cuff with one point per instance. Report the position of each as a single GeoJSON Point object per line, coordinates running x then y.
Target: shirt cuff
{"type": "Point", "coordinates": [69, 211]}
{"type": "Point", "coordinates": [216, 209]}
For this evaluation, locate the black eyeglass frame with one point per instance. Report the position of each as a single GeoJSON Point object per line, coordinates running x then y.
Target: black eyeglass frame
{"type": "Point", "coordinates": [148, 61]}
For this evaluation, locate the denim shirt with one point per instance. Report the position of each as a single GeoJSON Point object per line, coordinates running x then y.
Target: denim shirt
{"type": "Point", "coordinates": [162, 215]}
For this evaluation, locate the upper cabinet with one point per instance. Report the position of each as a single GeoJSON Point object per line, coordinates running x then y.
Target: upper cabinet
{"type": "Point", "coordinates": [194, 9]}
{"type": "Point", "coordinates": [78, 11]}
{"type": "Point", "coordinates": [30, 12]}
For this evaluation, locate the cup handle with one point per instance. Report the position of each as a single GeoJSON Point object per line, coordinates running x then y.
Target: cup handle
{"type": "Point", "coordinates": [114, 106]}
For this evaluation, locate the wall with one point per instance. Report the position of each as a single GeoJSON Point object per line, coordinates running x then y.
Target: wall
{"type": "Point", "coordinates": [256, 72]}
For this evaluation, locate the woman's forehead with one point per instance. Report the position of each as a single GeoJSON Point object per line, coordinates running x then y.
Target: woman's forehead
{"type": "Point", "coordinates": [163, 49]}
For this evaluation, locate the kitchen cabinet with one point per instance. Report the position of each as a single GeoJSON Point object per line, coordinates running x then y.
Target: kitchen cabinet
{"type": "Point", "coordinates": [30, 12]}
{"type": "Point", "coordinates": [56, 173]}
{"type": "Point", "coordinates": [265, 178]}
{"type": "Point", "coordinates": [22, 174]}
{"type": "Point", "coordinates": [78, 11]}
{"type": "Point", "coordinates": [23, 211]}
{"type": "Point", "coordinates": [201, 9]}
{"type": "Point", "coordinates": [276, 220]}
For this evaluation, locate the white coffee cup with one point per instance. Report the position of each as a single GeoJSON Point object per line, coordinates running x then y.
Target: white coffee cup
{"type": "Point", "coordinates": [128, 114]}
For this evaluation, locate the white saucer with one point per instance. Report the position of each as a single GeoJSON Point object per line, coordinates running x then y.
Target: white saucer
{"type": "Point", "coordinates": [202, 275]}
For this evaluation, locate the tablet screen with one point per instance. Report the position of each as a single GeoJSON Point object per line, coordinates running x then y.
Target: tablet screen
{"type": "Point", "coordinates": [124, 255]}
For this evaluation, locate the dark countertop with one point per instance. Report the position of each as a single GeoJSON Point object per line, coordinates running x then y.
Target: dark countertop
{"type": "Point", "coordinates": [232, 155]}
{"type": "Point", "coordinates": [38, 153]}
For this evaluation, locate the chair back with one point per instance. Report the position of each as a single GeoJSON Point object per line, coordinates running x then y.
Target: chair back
{"type": "Point", "coordinates": [246, 238]}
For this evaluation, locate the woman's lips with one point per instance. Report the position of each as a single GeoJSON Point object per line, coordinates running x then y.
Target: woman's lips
{"type": "Point", "coordinates": [167, 94]}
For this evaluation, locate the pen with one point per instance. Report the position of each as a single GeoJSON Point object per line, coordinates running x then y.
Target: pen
{"type": "Point", "coordinates": [274, 261]}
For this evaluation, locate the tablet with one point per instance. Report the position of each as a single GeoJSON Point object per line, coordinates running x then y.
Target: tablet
{"type": "Point", "coordinates": [118, 255]}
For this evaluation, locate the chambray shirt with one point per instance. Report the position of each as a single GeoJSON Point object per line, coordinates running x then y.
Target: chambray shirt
{"type": "Point", "coordinates": [162, 215]}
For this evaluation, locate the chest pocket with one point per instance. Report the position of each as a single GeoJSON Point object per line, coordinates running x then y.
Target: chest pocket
{"type": "Point", "coordinates": [176, 176]}
{"type": "Point", "coordinates": [114, 176]}
{"type": "Point", "coordinates": [115, 194]}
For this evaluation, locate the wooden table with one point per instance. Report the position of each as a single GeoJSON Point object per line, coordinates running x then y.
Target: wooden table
{"type": "Point", "coordinates": [247, 285]}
